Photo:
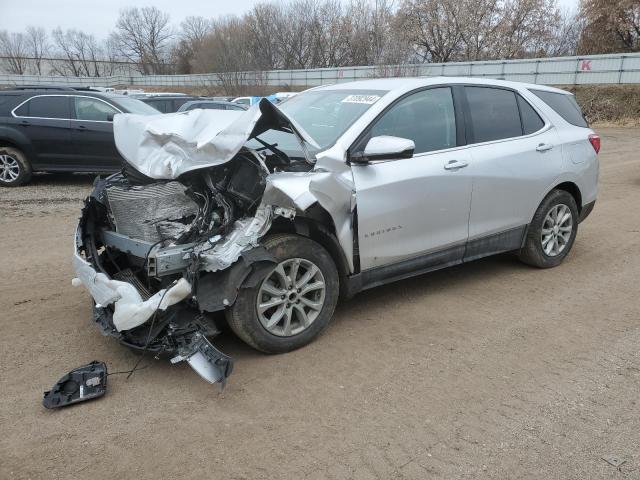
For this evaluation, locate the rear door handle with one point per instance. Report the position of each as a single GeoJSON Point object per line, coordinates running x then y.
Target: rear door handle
{"type": "Point", "coordinates": [455, 165]}
{"type": "Point", "coordinates": [25, 123]}
{"type": "Point", "coordinates": [543, 147]}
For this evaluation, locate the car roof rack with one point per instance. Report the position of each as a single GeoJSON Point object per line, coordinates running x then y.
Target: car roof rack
{"type": "Point", "coordinates": [40, 87]}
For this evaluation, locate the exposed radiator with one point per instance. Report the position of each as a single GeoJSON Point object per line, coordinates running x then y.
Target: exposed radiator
{"type": "Point", "coordinates": [144, 212]}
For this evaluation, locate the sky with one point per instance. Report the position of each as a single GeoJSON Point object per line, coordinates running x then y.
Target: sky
{"type": "Point", "coordinates": [99, 16]}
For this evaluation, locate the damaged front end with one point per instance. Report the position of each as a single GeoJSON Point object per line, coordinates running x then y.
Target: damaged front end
{"type": "Point", "coordinates": [167, 242]}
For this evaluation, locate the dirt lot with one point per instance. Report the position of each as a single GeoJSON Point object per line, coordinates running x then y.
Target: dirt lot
{"type": "Point", "coordinates": [489, 370]}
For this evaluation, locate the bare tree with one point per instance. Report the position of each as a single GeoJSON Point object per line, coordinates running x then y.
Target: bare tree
{"type": "Point", "coordinates": [610, 26]}
{"type": "Point", "coordinates": [193, 31]}
{"type": "Point", "coordinates": [225, 51]}
{"type": "Point", "coordinates": [38, 44]}
{"type": "Point", "coordinates": [80, 51]}
{"type": "Point", "coordinates": [433, 27]}
{"type": "Point", "coordinates": [480, 23]}
{"type": "Point", "coordinates": [566, 36]}
{"type": "Point", "coordinates": [142, 36]}
{"type": "Point", "coordinates": [14, 49]}
{"type": "Point", "coordinates": [263, 24]}
{"type": "Point", "coordinates": [527, 28]}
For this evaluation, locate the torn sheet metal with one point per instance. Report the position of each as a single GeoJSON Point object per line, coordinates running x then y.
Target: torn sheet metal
{"type": "Point", "coordinates": [166, 146]}
{"type": "Point", "coordinates": [289, 189]}
{"type": "Point", "coordinates": [222, 253]}
{"type": "Point", "coordinates": [336, 194]}
{"type": "Point", "coordinates": [333, 190]}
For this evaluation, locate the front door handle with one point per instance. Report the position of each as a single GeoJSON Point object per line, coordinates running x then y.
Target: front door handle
{"type": "Point", "coordinates": [455, 165]}
{"type": "Point", "coordinates": [543, 147]}
{"type": "Point", "coordinates": [81, 128]}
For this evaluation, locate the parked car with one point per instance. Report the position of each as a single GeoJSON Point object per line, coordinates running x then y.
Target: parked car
{"type": "Point", "coordinates": [247, 101]}
{"type": "Point", "coordinates": [271, 214]}
{"type": "Point", "coordinates": [211, 105]}
{"type": "Point", "coordinates": [167, 103]}
{"type": "Point", "coordinates": [59, 129]}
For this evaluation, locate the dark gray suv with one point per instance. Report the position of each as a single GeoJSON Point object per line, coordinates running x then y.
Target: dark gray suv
{"type": "Point", "coordinates": [59, 129]}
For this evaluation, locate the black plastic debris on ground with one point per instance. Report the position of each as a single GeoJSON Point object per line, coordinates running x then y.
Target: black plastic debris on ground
{"type": "Point", "coordinates": [80, 384]}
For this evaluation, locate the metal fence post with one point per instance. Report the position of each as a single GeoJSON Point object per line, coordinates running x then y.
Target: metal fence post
{"type": "Point", "coordinates": [621, 69]}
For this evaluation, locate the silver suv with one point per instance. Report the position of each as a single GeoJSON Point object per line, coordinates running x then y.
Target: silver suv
{"type": "Point", "coordinates": [272, 214]}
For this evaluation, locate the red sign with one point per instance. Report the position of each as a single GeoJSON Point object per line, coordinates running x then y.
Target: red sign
{"type": "Point", "coordinates": [585, 65]}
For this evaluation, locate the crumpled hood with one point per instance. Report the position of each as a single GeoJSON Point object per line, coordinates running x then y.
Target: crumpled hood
{"type": "Point", "coordinates": [166, 146]}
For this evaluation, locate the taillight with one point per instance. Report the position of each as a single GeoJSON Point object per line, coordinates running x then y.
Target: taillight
{"type": "Point", "coordinates": [595, 142]}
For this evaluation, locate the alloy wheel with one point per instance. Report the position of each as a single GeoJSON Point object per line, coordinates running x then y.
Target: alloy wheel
{"type": "Point", "coordinates": [291, 297]}
{"type": "Point", "coordinates": [556, 230]}
{"type": "Point", "coordinates": [9, 168]}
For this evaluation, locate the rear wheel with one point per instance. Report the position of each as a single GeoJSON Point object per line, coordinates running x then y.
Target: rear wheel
{"type": "Point", "coordinates": [293, 303]}
{"type": "Point", "coordinates": [552, 231]}
{"type": "Point", "coordinates": [15, 169]}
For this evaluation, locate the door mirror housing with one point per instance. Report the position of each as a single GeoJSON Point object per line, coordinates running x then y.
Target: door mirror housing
{"type": "Point", "coordinates": [385, 147]}
{"type": "Point", "coordinates": [110, 117]}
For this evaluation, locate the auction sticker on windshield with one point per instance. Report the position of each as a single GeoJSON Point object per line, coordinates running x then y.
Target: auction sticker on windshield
{"type": "Point", "coordinates": [367, 99]}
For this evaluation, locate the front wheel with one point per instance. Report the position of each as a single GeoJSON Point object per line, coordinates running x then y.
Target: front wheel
{"type": "Point", "coordinates": [293, 303]}
{"type": "Point", "coordinates": [552, 231]}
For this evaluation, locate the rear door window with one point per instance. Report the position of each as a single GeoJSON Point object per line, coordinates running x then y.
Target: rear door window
{"type": "Point", "coordinates": [494, 113]}
{"type": "Point", "coordinates": [563, 104]}
{"type": "Point", "coordinates": [426, 117]}
{"type": "Point", "coordinates": [47, 106]}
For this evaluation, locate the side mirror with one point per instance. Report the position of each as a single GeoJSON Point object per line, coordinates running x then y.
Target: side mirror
{"type": "Point", "coordinates": [110, 117]}
{"type": "Point", "coordinates": [385, 147]}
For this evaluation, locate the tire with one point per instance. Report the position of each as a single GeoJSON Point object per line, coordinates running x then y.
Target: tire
{"type": "Point", "coordinates": [291, 252]}
{"type": "Point", "coordinates": [548, 242]}
{"type": "Point", "coordinates": [15, 169]}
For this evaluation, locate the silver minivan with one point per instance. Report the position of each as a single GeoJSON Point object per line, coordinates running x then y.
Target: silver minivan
{"type": "Point", "coordinates": [272, 214]}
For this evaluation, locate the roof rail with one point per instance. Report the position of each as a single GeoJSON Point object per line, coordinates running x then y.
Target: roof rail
{"type": "Point", "coordinates": [40, 87]}
{"type": "Point", "coordinates": [87, 89]}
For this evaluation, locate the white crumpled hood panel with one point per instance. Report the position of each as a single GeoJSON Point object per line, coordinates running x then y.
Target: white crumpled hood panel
{"type": "Point", "coordinates": [166, 146]}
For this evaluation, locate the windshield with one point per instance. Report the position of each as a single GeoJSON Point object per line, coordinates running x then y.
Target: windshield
{"type": "Point", "coordinates": [324, 114]}
{"type": "Point", "coordinates": [132, 105]}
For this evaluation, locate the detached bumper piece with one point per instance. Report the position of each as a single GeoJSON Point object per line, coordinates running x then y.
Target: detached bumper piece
{"type": "Point", "coordinates": [80, 384]}
{"type": "Point", "coordinates": [209, 362]}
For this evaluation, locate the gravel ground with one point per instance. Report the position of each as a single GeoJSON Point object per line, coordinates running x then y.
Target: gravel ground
{"type": "Point", "coordinates": [488, 370]}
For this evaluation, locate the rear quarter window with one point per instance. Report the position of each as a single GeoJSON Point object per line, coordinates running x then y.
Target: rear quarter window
{"type": "Point", "coordinates": [531, 121]}
{"type": "Point", "coordinates": [46, 106]}
{"type": "Point", "coordinates": [7, 103]}
{"type": "Point", "coordinates": [563, 104]}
